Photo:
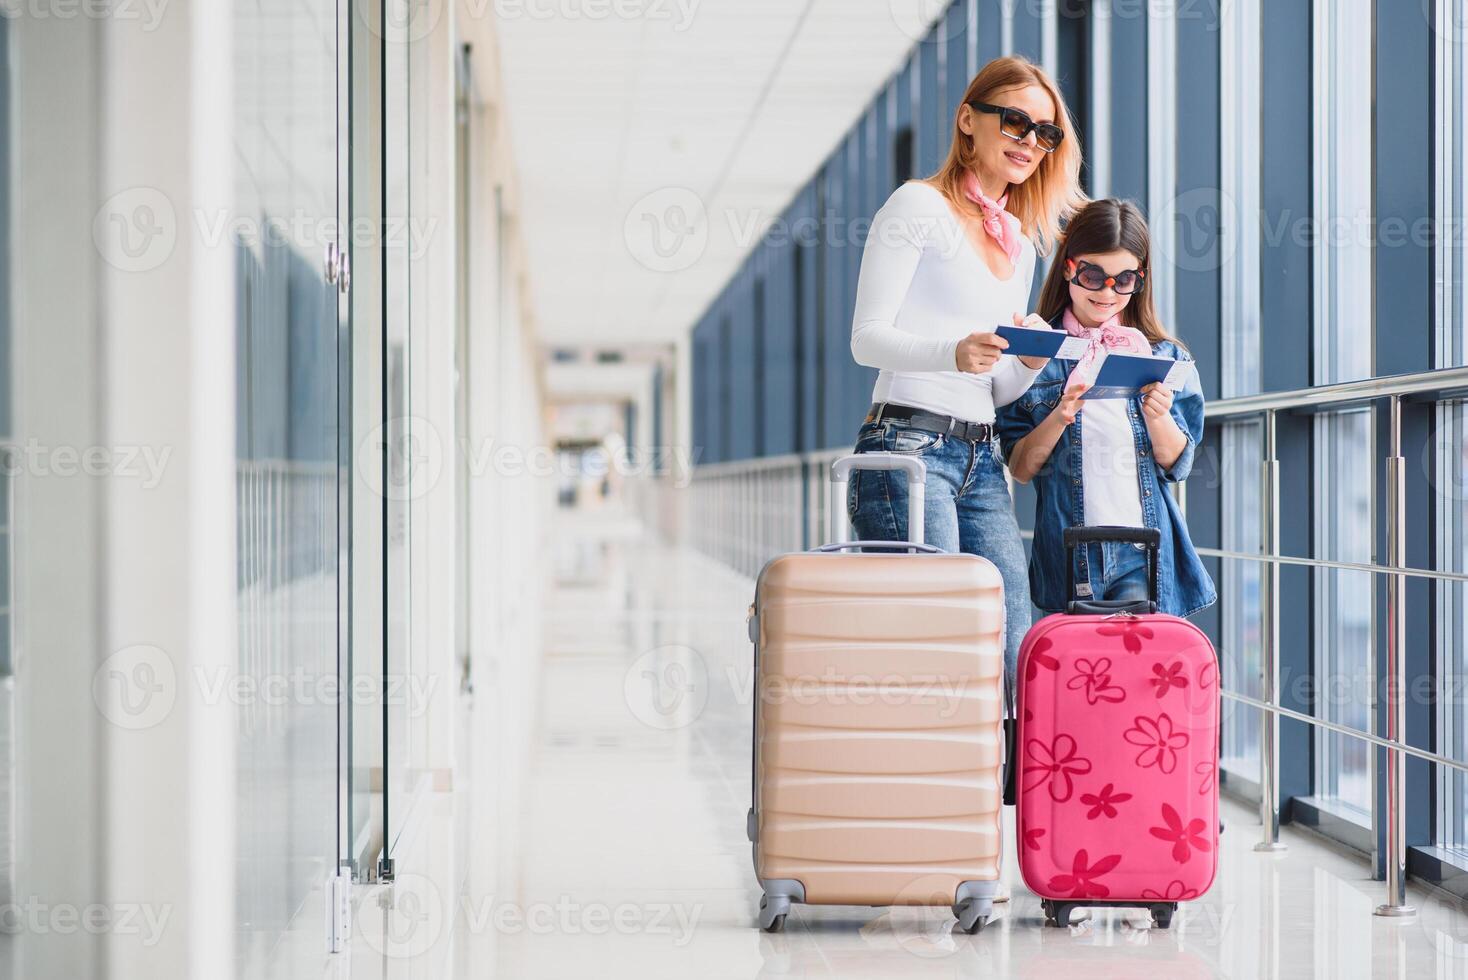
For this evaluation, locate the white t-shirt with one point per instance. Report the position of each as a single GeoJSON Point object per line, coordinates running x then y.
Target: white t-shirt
{"type": "Point", "coordinates": [923, 288]}
{"type": "Point", "coordinates": [1110, 488]}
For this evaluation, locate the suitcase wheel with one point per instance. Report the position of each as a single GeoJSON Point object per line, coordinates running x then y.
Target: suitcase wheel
{"type": "Point", "coordinates": [973, 915]}
{"type": "Point", "coordinates": [1057, 913]}
{"type": "Point", "coordinates": [772, 912]}
{"type": "Point", "coordinates": [1162, 915]}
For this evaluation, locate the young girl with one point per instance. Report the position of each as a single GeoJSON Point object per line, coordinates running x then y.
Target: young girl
{"type": "Point", "coordinates": [1104, 461]}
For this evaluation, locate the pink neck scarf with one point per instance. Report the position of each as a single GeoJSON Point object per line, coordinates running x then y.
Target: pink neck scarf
{"type": "Point", "coordinates": [1001, 226]}
{"type": "Point", "coordinates": [1111, 335]}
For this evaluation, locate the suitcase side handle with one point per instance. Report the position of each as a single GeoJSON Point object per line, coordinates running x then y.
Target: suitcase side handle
{"type": "Point", "coordinates": [917, 476]}
{"type": "Point", "coordinates": [1148, 536]}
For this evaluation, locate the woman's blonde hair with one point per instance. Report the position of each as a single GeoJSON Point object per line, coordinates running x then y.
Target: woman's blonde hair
{"type": "Point", "coordinates": [1053, 192]}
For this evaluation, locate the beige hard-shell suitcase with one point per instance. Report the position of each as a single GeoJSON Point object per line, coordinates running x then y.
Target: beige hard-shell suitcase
{"type": "Point", "coordinates": [877, 721]}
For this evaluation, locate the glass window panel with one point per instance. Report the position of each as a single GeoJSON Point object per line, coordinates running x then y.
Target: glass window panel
{"type": "Point", "coordinates": [1451, 485]}
{"type": "Point", "coordinates": [1239, 142]}
{"type": "Point", "coordinates": [285, 142]}
{"type": "Point", "coordinates": [1451, 165]}
{"type": "Point", "coordinates": [1243, 450]}
{"type": "Point", "coordinates": [1344, 463]}
{"type": "Point", "coordinates": [1344, 607]}
{"type": "Point", "coordinates": [403, 93]}
{"type": "Point", "coordinates": [1451, 468]}
{"type": "Point", "coordinates": [1343, 205]}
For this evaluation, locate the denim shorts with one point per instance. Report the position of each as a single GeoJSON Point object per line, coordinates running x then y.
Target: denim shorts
{"type": "Point", "coordinates": [1118, 569]}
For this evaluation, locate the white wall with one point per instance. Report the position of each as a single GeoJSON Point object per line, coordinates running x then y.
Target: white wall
{"type": "Point", "coordinates": [111, 574]}
{"type": "Point", "coordinates": [118, 808]}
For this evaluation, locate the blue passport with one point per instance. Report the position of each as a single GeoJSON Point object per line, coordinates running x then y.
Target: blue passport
{"type": "Point", "coordinates": [1123, 375]}
{"type": "Point", "coordinates": [1119, 376]}
{"type": "Point", "coordinates": [1041, 342]}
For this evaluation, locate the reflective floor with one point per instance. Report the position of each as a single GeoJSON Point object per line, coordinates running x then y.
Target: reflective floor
{"type": "Point", "coordinates": [618, 848]}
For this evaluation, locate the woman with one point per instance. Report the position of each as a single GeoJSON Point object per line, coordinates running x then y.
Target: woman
{"type": "Point", "coordinates": [947, 260]}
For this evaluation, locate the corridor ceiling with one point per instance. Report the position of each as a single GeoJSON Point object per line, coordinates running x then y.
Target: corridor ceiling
{"type": "Point", "coordinates": [654, 137]}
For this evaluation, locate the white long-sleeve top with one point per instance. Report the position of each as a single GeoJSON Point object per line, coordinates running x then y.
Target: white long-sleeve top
{"type": "Point", "coordinates": [923, 288]}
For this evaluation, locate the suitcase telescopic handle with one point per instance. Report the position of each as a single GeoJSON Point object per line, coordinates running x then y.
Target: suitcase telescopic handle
{"type": "Point", "coordinates": [1148, 536]}
{"type": "Point", "coordinates": [917, 475]}
{"type": "Point", "coordinates": [926, 549]}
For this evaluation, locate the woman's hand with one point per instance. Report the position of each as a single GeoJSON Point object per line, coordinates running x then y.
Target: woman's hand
{"type": "Point", "coordinates": [979, 352]}
{"type": "Point", "coordinates": [1156, 401]}
{"type": "Point", "coordinates": [1035, 322]}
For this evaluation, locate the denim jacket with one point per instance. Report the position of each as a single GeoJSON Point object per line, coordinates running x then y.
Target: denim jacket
{"type": "Point", "coordinates": [1183, 583]}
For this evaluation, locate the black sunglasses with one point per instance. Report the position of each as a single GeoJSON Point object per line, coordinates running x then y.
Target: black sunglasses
{"type": "Point", "coordinates": [1016, 124]}
{"type": "Point", "coordinates": [1095, 278]}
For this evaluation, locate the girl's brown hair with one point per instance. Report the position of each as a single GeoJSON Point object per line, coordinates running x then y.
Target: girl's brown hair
{"type": "Point", "coordinates": [1106, 226]}
{"type": "Point", "coordinates": [1053, 190]}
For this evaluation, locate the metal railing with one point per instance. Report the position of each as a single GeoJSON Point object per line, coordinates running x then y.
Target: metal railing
{"type": "Point", "coordinates": [1430, 386]}
{"type": "Point", "coordinates": [745, 512]}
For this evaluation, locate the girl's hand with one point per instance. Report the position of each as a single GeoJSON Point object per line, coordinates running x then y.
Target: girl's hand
{"type": "Point", "coordinates": [1070, 403]}
{"type": "Point", "coordinates": [979, 352]}
{"type": "Point", "coordinates": [1156, 401]}
{"type": "Point", "coordinates": [1034, 321]}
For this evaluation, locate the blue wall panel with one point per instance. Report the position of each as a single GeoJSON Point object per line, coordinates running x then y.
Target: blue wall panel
{"type": "Point", "coordinates": [699, 358]}
{"type": "Point", "coordinates": [1197, 274]}
{"type": "Point", "coordinates": [932, 134]}
{"type": "Point", "coordinates": [1073, 75]}
{"type": "Point", "coordinates": [1128, 122]}
{"type": "Point", "coordinates": [758, 412]}
{"type": "Point", "coordinates": [991, 30]}
{"type": "Point", "coordinates": [723, 413]}
{"type": "Point", "coordinates": [1285, 309]}
{"type": "Point", "coordinates": [778, 368]}
{"type": "Point", "coordinates": [902, 115]}
{"type": "Point", "coordinates": [852, 241]}
{"type": "Point", "coordinates": [1028, 29]}
{"type": "Point", "coordinates": [1404, 267]}
{"type": "Point", "coordinates": [1405, 342]}
{"type": "Point", "coordinates": [740, 316]}
{"type": "Point", "coordinates": [1285, 194]}
{"type": "Point", "coordinates": [835, 327]}
{"type": "Point", "coordinates": [956, 73]}
{"type": "Point", "coordinates": [806, 325]}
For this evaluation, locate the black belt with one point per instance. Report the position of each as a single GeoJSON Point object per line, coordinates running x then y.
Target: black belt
{"type": "Point", "coordinates": [917, 418]}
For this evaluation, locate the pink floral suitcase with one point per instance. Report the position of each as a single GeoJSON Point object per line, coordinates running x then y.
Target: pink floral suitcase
{"type": "Point", "coordinates": [1117, 754]}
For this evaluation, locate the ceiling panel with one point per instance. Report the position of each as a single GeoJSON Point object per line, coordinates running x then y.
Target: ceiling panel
{"type": "Point", "coordinates": [625, 129]}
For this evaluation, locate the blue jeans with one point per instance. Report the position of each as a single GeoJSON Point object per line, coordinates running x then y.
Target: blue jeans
{"type": "Point", "coordinates": [967, 509]}
{"type": "Point", "coordinates": [1118, 570]}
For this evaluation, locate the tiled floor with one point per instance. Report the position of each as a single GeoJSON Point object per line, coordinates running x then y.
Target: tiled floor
{"type": "Point", "coordinates": [624, 854]}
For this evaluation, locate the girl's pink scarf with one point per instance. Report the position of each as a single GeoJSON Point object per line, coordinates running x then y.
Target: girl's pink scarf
{"type": "Point", "coordinates": [1001, 226]}
{"type": "Point", "coordinates": [1109, 336]}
